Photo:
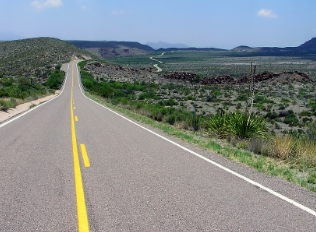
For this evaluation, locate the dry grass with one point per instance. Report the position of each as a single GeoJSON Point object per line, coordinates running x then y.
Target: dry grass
{"type": "Point", "coordinates": [302, 151]}
{"type": "Point", "coordinates": [283, 147]}
{"type": "Point", "coordinates": [306, 152]}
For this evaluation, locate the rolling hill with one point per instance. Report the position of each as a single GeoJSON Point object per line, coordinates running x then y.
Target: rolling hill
{"type": "Point", "coordinates": [112, 49]}
{"type": "Point", "coordinates": [29, 57]}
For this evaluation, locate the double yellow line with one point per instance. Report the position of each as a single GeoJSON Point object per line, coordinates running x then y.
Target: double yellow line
{"type": "Point", "coordinates": [83, 223]}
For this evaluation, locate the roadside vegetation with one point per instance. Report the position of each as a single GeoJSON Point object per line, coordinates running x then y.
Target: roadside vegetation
{"type": "Point", "coordinates": [14, 91]}
{"type": "Point", "coordinates": [31, 68]}
{"type": "Point", "coordinates": [242, 132]}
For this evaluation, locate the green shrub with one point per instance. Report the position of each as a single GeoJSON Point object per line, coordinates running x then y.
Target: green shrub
{"type": "Point", "coordinates": [244, 125]}
{"type": "Point", "coordinates": [271, 115]}
{"type": "Point", "coordinates": [7, 104]}
{"type": "Point", "coordinates": [55, 80]}
{"type": "Point", "coordinates": [242, 97]}
{"type": "Point", "coordinates": [217, 123]}
{"type": "Point", "coordinates": [239, 124]}
{"type": "Point", "coordinates": [143, 96]}
{"type": "Point", "coordinates": [291, 120]}
{"type": "Point", "coordinates": [305, 113]}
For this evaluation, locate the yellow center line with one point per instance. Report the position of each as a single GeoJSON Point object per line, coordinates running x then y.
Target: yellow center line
{"type": "Point", "coordinates": [76, 118]}
{"type": "Point", "coordinates": [83, 223]}
{"type": "Point", "coordinates": [85, 156]}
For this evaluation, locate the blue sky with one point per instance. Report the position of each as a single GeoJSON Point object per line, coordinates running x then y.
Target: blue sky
{"type": "Point", "coordinates": [200, 23]}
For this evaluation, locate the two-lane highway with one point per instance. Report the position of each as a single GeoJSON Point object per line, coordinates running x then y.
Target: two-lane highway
{"type": "Point", "coordinates": [72, 164]}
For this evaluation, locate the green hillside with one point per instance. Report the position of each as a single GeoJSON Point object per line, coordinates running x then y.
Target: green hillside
{"type": "Point", "coordinates": [29, 57]}
{"type": "Point", "coordinates": [30, 68]}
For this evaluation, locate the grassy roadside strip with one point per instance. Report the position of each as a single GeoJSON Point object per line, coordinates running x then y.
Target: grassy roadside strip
{"type": "Point", "coordinates": [275, 167]}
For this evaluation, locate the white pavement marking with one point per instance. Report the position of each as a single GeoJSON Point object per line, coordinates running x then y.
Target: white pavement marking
{"type": "Point", "coordinates": [26, 112]}
{"type": "Point", "coordinates": [298, 205]}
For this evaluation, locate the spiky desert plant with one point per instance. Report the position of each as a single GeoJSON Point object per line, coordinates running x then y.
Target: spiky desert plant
{"type": "Point", "coordinates": [217, 125]}
{"type": "Point", "coordinates": [244, 125]}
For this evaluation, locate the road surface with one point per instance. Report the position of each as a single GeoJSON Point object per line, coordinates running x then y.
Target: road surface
{"type": "Point", "coordinates": [156, 65]}
{"type": "Point", "coordinates": [130, 178]}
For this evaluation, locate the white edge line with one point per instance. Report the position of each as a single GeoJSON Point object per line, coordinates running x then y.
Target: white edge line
{"type": "Point", "coordinates": [298, 205]}
{"type": "Point", "coordinates": [30, 110]}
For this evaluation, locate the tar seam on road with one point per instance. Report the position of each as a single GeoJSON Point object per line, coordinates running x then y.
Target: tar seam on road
{"type": "Point", "coordinates": [296, 204]}
{"type": "Point", "coordinates": [34, 108]}
{"type": "Point", "coordinates": [83, 223]}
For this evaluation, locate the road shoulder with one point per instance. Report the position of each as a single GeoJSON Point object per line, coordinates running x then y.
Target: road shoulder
{"type": "Point", "coordinates": [5, 115]}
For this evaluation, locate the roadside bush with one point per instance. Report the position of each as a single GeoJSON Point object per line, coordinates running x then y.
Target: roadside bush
{"type": "Point", "coordinates": [55, 80]}
{"type": "Point", "coordinates": [239, 124]}
{"type": "Point", "coordinates": [217, 124]}
{"type": "Point", "coordinates": [244, 125]}
{"type": "Point", "coordinates": [6, 104]}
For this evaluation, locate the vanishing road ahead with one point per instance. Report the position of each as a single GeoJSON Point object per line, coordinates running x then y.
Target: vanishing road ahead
{"type": "Point", "coordinates": [131, 177]}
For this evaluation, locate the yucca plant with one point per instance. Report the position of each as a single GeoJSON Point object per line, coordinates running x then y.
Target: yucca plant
{"type": "Point", "coordinates": [217, 125]}
{"type": "Point", "coordinates": [245, 125]}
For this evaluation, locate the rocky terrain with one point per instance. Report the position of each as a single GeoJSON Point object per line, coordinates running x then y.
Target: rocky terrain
{"type": "Point", "coordinates": [128, 74]}
{"type": "Point", "coordinates": [228, 80]}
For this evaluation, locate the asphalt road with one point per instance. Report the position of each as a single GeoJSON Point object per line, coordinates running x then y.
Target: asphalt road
{"type": "Point", "coordinates": [138, 180]}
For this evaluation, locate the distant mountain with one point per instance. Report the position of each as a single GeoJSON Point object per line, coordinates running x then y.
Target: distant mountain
{"type": "Point", "coordinates": [111, 49]}
{"type": "Point", "coordinates": [164, 45]}
{"type": "Point", "coordinates": [192, 49]}
{"type": "Point", "coordinates": [241, 48]}
{"type": "Point", "coordinates": [307, 48]}
{"type": "Point", "coordinates": [309, 45]}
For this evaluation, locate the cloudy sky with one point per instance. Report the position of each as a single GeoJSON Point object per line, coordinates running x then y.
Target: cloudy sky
{"type": "Point", "coordinates": [200, 23]}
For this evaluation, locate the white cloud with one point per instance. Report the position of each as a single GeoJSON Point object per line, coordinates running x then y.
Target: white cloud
{"type": "Point", "coordinates": [83, 7]}
{"type": "Point", "coordinates": [118, 12]}
{"type": "Point", "coordinates": [48, 3]}
{"type": "Point", "coordinates": [266, 13]}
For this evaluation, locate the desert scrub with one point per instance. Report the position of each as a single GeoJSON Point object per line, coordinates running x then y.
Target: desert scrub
{"type": "Point", "coordinates": [32, 105]}
{"type": "Point", "coordinates": [305, 151]}
{"type": "Point", "coordinates": [287, 147]}
{"type": "Point", "coordinates": [6, 104]}
{"type": "Point", "coordinates": [283, 147]}
{"type": "Point", "coordinates": [240, 124]}
{"type": "Point", "coordinates": [55, 80]}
